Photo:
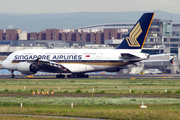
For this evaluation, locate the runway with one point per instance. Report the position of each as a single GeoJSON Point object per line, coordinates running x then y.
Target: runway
{"type": "Point", "coordinates": [119, 76]}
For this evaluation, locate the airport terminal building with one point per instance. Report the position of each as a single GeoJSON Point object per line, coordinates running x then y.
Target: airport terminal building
{"type": "Point", "coordinates": [163, 37]}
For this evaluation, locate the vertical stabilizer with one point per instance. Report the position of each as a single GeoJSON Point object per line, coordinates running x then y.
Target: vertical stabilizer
{"type": "Point", "coordinates": [137, 36]}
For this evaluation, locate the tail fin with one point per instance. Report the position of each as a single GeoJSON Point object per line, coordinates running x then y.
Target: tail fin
{"type": "Point", "coordinates": [137, 36]}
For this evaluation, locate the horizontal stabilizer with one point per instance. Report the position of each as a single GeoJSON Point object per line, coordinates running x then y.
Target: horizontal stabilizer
{"type": "Point", "coordinates": [159, 55]}
{"type": "Point", "coordinates": [153, 61]}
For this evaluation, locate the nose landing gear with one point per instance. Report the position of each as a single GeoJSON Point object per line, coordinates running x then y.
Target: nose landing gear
{"type": "Point", "coordinates": [12, 74]}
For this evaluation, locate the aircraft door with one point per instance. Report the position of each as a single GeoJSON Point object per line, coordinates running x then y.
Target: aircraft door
{"type": "Point", "coordinates": [82, 64]}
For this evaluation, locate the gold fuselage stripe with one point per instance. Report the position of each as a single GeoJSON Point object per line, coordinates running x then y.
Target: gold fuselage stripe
{"type": "Point", "coordinates": [120, 63]}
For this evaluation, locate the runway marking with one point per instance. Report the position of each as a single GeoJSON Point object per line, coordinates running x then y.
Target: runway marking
{"type": "Point", "coordinates": [30, 76]}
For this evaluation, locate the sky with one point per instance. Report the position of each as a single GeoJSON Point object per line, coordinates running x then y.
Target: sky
{"type": "Point", "coordinates": [66, 6]}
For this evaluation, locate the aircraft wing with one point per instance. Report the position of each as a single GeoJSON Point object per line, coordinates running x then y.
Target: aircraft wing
{"type": "Point", "coordinates": [49, 66]}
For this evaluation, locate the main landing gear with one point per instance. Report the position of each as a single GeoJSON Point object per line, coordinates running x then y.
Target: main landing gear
{"type": "Point", "coordinates": [60, 76]}
{"type": "Point", "coordinates": [73, 76]}
{"type": "Point", "coordinates": [77, 76]}
{"type": "Point", "coordinates": [12, 74]}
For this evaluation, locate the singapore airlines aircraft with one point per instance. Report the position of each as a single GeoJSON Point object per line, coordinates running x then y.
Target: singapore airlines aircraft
{"type": "Point", "coordinates": [80, 61]}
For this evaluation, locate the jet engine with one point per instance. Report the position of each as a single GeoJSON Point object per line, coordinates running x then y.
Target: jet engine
{"type": "Point", "coordinates": [27, 68]}
{"type": "Point", "coordinates": [114, 69]}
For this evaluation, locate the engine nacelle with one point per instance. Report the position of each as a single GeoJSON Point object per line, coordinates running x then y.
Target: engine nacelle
{"type": "Point", "coordinates": [113, 69]}
{"type": "Point", "coordinates": [26, 68]}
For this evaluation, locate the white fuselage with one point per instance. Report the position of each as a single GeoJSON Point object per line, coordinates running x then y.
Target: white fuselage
{"type": "Point", "coordinates": [76, 60]}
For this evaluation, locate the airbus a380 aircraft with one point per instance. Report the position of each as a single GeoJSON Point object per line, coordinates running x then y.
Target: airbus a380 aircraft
{"type": "Point", "coordinates": [80, 61]}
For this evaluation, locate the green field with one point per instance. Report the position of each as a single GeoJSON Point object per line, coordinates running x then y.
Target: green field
{"type": "Point", "coordinates": [26, 118]}
{"type": "Point", "coordinates": [107, 85]}
{"type": "Point", "coordinates": [165, 112]}
{"type": "Point", "coordinates": [111, 98]}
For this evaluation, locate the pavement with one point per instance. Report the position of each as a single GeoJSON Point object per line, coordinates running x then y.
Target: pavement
{"type": "Point", "coordinates": [119, 76]}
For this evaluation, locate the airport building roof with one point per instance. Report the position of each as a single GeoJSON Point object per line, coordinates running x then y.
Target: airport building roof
{"type": "Point", "coordinates": [121, 25]}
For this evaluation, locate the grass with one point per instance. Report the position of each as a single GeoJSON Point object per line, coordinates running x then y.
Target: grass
{"type": "Point", "coordinates": [85, 101]}
{"type": "Point", "coordinates": [106, 85]}
{"type": "Point", "coordinates": [6, 117]}
{"type": "Point", "coordinates": [116, 107]}
{"type": "Point", "coordinates": [178, 91]}
{"type": "Point", "coordinates": [6, 90]}
{"type": "Point", "coordinates": [163, 112]}
{"type": "Point", "coordinates": [78, 91]}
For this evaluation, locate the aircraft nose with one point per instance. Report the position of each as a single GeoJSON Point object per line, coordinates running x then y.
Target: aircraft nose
{"type": "Point", "coordinates": [4, 63]}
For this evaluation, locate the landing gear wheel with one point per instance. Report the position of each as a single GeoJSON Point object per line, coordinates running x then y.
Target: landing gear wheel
{"type": "Point", "coordinates": [77, 76]}
{"type": "Point", "coordinates": [73, 76]}
{"type": "Point", "coordinates": [12, 74]}
{"type": "Point", "coordinates": [86, 76]}
{"type": "Point", "coordinates": [60, 76]}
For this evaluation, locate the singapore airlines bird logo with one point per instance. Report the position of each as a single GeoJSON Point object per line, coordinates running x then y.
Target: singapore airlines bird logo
{"type": "Point", "coordinates": [133, 35]}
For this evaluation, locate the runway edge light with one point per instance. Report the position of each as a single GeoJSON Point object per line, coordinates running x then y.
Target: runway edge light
{"type": "Point", "coordinates": [52, 92]}
{"type": "Point", "coordinates": [38, 92]}
{"type": "Point", "coordinates": [33, 92]}
{"type": "Point", "coordinates": [47, 92]}
{"type": "Point", "coordinates": [43, 93]}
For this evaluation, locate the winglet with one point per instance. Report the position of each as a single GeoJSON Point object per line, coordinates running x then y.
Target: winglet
{"type": "Point", "coordinates": [37, 60]}
{"type": "Point", "coordinates": [137, 36]}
